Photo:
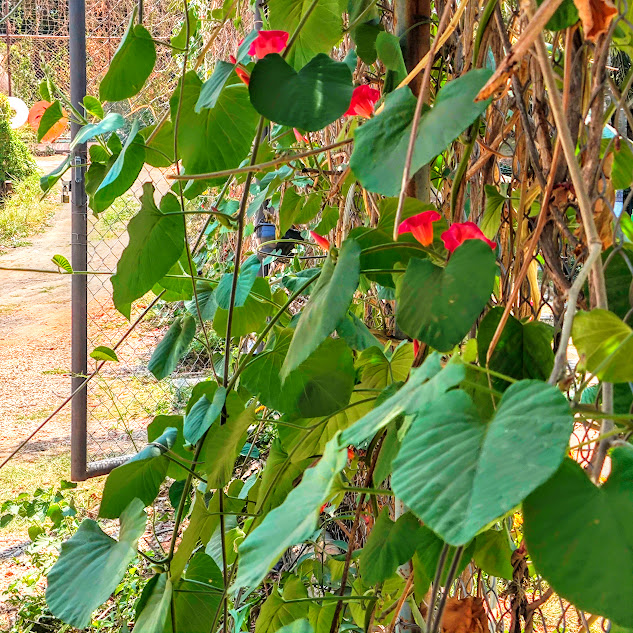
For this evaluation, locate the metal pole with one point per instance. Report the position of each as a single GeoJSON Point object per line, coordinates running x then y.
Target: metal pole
{"type": "Point", "coordinates": [79, 245]}
{"type": "Point", "coordinates": [8, 34]}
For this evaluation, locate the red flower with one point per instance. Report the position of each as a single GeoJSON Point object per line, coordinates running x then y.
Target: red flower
{"type": "Point", "coordinates": [320, 240]}
{"type": "Point", "coordinates": [363, 100]}
{"type": "Point", "coordinates": [300, 137]}
{"type": "Point", "coordinates": [244, 75]}
{"type": "Point", "coordinates": [420, 226]}
{"type": "Point", "coordinates": [325, 505]}
{"type": "Point", "coordinates": [416, 347]}
{"type": "Point", "coordinates": [268, 42]}
{"type": "Point", "coordinates": [350, 453]}
{"type": "Point", "coordinates": [232, 59]}
{"type": "Point", "coordinates": [459, 232]}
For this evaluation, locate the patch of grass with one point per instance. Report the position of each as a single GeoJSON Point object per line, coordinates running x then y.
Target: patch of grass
{"type": "Point", "coordinates": [23, 213]}
{"type": "Point", "coordinates": [56, 371]}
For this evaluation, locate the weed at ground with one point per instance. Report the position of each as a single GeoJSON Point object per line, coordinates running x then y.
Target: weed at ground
{"type": "Point", "coordinates": [23, 213]}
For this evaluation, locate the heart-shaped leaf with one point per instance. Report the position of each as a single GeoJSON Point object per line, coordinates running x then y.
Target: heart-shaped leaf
{"type": "Point", "coordinates": [91, 566]}
{"type": "Point", "coordinates": [173, 345]}
{"type": "Point", "coordinates": [328, 304]}
{"type": "Point", "coordinates": [131, 65]}
{"type": "Point", "coordinates": [605, 345]}
{"type": "Point", "coordinates": [309, 99]}
{"type": "Point", "coordinates": [458, 474]}
{"type": "Point", "coordinates": [381, 143]}
{"type": "Point", "coordinates": [156, 243]}
{"type": "Point", "coordinates": [439, 305]}
{"type": "Point", "coordinates": [580, 537]}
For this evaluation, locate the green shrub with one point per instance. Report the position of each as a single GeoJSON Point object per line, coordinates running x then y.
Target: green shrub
{"type": "Point", "coordinates": [16, 162]}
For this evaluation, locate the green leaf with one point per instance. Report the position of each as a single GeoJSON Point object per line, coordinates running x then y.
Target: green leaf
{"type": "Point", "coordinates": [93, 106]}
{"type": "Point", "coordinates": [390, 54]}
{"type": "Point", "coordinates": [48, 181]}
{"type": "Point", "coordinates": [622, 168]}
{"type": "Point", "coordinates": [605, 345]}
{"type": "Point", "coordinates": [180, 40]}
{"type": "Point", "coordinates": [246, 279]}
{"type": "Point", "coordinates": [492, 213]}
{"type": "Point", "coordinates": [438, 306]}
{"type": "Point", "coordinates": [51, 115]}
{"type": "Point", "coordinates": [580, 537]}
{"type": "Point", "coordinates": [355, 333]}
{"type": "Point", "coordinates": [177, 284]}
{"type": "Point", "coordinates": [428, 549]}
{"type": "Point", "coordinates": [455, 471]}
{"type": "Point", "coordinates": [619, 279]}
{"type": "Point", "coordinates": [329, 220]}
{"type": "Point", "coordinates": [101, 352]}
{"type": "Point", "coordinates": [212, 87]}
{"type": "Point", "coordinates": [215, 139]}
{"type": "Point", "coordinates": [172, 346]}
{"type": "Point", "coordinates": [62, 262]}
{"type": "Point", "coordinates": [203, 414]}
{"type": "Point", "coordinates": [154, 614]}
{"type": "Point", "coordinates": [159, 152]}
{"type": "Point", "coordinates": [381, 143]}
{"type": "Point", "coordinates": [376, 371]}
{"type": "Point", "coordinates": [225, 441]}
{"type": "Point", "coordinates": [322, 30]}
{"type": "Point", "coordinates": [251, 316]}
{"type": "Point", "coordinates": [155, 244]}
{"type": "Point", "coordinates": [156, 428]}
{"type": "Point", "coordinates": [197, 595]}
{"type": "Point", "coordinates": [123, 173]}
{"type": "Point", "coordinates": [297, 209]}
{"type": "Point", "coordinates": [328, 304]}
{"type": "Point", "coordinates": [389, 545]}
{"type": "Point", "coordinates": [524, 350]}
{"type": "Point", "coordinates": [276, 613]}
{"type": "Point", "coordinates": [493, 553]}
{"type": "Point", "coordinates": [425, 385]}
{"type": "Point", "coordinates": [292, 522]}
{"type": "Point", "coordinates": [309, 99]}
{"type": "Point", "coordinates": [91, 565]}
{"type": "Point", "coordinates": [131, 65]}
{"type": "Point", "coordinates": [364, 36]}
{"type": "Point", "coordinates": [566, 15]}
{"type": "Point", "coordinates": [206, 301]}
{"type": "Point", "coordinates": [113, 121]}
{"type": "Point", "coordinates": [140, 477]}
{"type": "Point", "coordinates": [299, 626]}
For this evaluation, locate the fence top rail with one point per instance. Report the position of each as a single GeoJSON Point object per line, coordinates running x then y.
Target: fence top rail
{"type": "Point", "coordinates": [26, 36]}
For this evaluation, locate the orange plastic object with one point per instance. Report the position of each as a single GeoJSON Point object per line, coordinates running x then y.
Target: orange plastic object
{"type": "Point", "coordinates": [35, 116]}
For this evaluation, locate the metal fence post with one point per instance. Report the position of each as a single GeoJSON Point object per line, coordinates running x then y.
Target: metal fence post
{"type": "Point", "coordinates": [79, 244]}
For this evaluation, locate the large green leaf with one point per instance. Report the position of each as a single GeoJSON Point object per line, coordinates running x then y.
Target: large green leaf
{"type": "Point", "coordinates": [246, 279]}
{"type": "Point", "coordinates": [376, 370]}
{"type": "Point", "coordinates": [159, 152]}
{"type": "Point", "coordinates": [156, 243]}
{"type": "Point", "coordinates": [322, 30]}
{"type": "Point", "coordinates": [426, 384]}
{"type": "Point", "coordinates": [309, 99]}
{"type": "Point", "coordinates": [328, 304]}
{"type": "Point", "coordinates": [197, 595]}
{"type": "Point", "coordinates": [355, 333]}
{"type": "Point", "coordinates": [458, 474]}
{"type": "Point", "coordinates": [123, 172]}
{"type": "Point", "coordinates": [225, 441]}
{"type": "Point", "coordinates": [91, 565]}
{"type": "Point", "coordinates": [113, 121]}
{"type": "Point", "coordinates": [389, 545]}
{"type": "Point", "coordinates": [524, 350]}
{"type": "Point", "coordinates": [131, 65]}
{"type": "Point", "coordinates": [605, 345]}
{"type": "Point", "coordinates": [140, 477]}
{"type": "Point", "coordinates": [172, 346]}
{"type": "Point", "coordinates": [619, 278]}
{"type": "Point", "coordinates": [439, 305]}
{"type": "Point", "coordinates": [298, 209]}
{"type": "Point", "coordinates": [321, 385]}
{"type": "Point", "coordinates": [381, 143]}
{"type": "Point", "coordinates": [217, 138]}
{"type": "Point", "coordinates": [153, 616]}
{"type": "Point", "coordinates": [276, 613]}
{"type": "Point", "coordinates": [156, 428]}
{"type": "Point", "coordinates": [580, 537]}
{"type": "Point", "coordinates": [292, 522]}
{"type": "Point", "coordinates": [493, 553]}
{"type": "Point", "coordinates": [203, 414]}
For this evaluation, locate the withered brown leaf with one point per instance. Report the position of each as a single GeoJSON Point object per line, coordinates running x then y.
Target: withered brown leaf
{"type": "Point", "coordinates": [596, 16]}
